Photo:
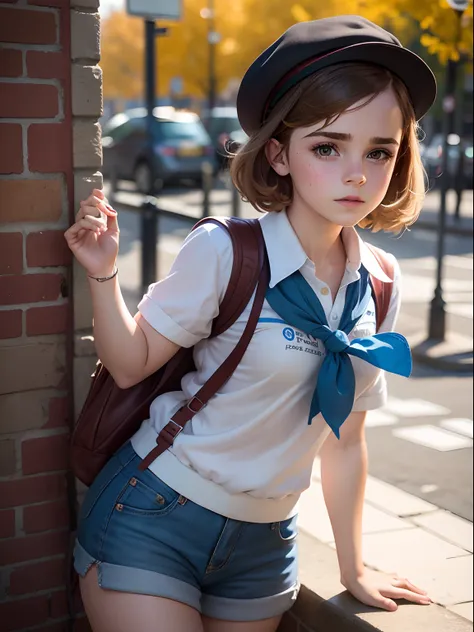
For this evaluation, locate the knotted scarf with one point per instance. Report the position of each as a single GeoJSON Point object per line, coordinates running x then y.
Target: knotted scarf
{"type": "Point", "coordinates": [297, 304]}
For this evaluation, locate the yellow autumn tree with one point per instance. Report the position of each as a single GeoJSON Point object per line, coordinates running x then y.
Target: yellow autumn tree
{"type": "Point", "coordinates": [246, 27]}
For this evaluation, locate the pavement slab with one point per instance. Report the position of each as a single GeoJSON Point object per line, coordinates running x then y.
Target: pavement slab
{"type": "Point", "coordinates": [404, 550]}
{"type": "Point", "coordinates": [394, 500]}
{"type": "Point", "coordinates": [463, 610]}
{"type": "Point", "coordinates": [314, 519]}
{"type": "Point", "coordinates": [450, 527]}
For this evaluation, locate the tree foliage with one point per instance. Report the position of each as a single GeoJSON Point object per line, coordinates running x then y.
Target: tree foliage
{"type": "Point", "coordinates": [246, 27]}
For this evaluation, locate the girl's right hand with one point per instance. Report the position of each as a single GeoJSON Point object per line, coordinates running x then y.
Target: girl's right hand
{"type": "Point", "coordinates": [93, 238]}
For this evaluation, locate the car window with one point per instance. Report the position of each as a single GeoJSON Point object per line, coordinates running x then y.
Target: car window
{"type": "Point", "coordinates": [220, 125]}
{"type": "Point", "coordinates": [177, 130]}
{"type": "Point", "coordinates": [120, 132]}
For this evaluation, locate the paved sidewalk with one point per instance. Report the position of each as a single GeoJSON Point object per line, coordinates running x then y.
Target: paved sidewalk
{"type": "Point", "coordinates": [406, 535]}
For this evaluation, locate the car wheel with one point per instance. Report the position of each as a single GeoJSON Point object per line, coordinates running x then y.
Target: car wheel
{"type": "Point", "coordinates": [143, 178]}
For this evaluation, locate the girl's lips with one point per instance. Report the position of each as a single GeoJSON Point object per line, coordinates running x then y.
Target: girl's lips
{"type": "Point", "coordinates": [350, 202]}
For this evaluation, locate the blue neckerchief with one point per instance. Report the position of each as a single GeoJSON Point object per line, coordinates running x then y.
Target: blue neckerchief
{"type": "Point", "coordinates": [295, 301]}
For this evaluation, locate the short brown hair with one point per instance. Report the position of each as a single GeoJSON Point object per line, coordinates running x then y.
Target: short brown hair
{"type": "Point", "coordinates": [324, 96]}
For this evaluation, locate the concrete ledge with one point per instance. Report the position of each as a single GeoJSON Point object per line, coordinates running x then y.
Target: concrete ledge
{"type": "Point", "coordinates": [325, 606]}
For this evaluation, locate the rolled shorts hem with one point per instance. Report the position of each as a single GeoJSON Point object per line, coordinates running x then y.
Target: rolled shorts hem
{"type": "Point", "coordinates": [137, 580]}
{"type": "Point", "coordinates": [249, 609]}
{"type": "Point", "coordinates": [144, 582]}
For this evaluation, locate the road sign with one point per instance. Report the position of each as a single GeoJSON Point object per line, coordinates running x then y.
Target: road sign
{"type": "Point", "coordinates": [459, 5]}
{"type": "Point", "coordinates": [155, 9]}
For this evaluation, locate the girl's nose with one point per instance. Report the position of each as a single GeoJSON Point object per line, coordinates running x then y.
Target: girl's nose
{"type": "Point", "coordinates": [356, 178]}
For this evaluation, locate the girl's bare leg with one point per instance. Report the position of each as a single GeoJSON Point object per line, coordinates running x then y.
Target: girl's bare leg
{"type": "Point", "coordinates": [114, 611]}
{"type": "Point", "coordinates": [216, 625]}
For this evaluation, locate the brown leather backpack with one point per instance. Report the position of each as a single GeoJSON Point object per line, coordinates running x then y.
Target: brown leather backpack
{"type": "Point", "coordinates": [110, 415]}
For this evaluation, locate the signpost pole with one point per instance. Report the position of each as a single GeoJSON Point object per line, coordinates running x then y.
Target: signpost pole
{"type": "Point", "coordinates": [437, 316]}
{"type": "Point", "coordinates": [150, 11]}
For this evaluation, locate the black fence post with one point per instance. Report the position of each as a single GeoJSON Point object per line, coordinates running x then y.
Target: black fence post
{"type": "Point", "coordinates": [113, 187]}
{"type": "Point", "coordinates": [235, 201]}
{"type": "Point", "coordinates": [207, 181]}
{"type": "Point", "coordinates": [149, 239]}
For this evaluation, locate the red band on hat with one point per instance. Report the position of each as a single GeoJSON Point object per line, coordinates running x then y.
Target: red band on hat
{"type": "Point", "coordinates": [294, 72]}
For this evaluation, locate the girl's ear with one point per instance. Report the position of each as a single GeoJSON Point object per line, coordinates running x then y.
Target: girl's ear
{"type": "Point", "coordinates": [276, 156]}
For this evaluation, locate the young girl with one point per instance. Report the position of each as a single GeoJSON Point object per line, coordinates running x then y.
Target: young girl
{"type": "Point", "coordinates": [205, 539]}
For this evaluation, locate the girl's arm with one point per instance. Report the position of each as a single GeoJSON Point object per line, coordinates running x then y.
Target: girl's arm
{"type": "Point", "coordinates": [129, 347]}
{"type": "Point", "coordinates": [344, 466]}
{"type": "Point", "coordinates": [344, 475]}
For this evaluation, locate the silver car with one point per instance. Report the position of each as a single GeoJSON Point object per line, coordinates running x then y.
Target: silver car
{"type": "Point", "coordinates": [180, 147]}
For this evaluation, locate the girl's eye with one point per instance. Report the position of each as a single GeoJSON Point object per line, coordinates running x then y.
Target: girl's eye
{"type": "Point", "coordinates": [324, 151]}
{"type": "Point", "coordinates": [380, 155]}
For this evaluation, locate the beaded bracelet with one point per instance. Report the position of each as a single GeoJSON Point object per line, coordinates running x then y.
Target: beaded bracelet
{"type": "Point", "coordinates": [107, 278]}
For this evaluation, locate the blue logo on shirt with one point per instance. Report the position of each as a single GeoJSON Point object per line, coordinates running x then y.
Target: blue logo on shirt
{"type": "Point", "coordinates": [288, 333]}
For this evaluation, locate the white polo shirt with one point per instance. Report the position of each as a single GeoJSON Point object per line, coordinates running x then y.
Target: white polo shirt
{"type": "Point", "coordinates": [249, 453]}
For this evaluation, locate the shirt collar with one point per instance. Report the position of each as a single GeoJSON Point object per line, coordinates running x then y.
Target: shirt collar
{"type": "Point", "coordinates": [286, 254]}
{"type": "Point", "coordinates": [358, 253]}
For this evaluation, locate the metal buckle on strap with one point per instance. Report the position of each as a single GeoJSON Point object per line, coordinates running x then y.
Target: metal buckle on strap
{"type": "Point", "coordinates": [200, 405]}
{"type": "Point", "coordinates": [177, 432]}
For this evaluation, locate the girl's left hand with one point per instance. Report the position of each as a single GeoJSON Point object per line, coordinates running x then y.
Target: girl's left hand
{"type": "Point", "coordinates": [378, 590]}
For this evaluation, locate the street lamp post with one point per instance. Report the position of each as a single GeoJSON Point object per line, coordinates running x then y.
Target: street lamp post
{"type": "Point", "coordinates": [212, 57]}
{"type": "Point", "coordinates": [437, 323]}
{"type": "Point", "coordinates": [213, 38]}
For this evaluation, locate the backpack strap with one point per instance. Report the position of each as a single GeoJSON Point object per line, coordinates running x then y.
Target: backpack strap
{"type": "Point", "coordinates": [250, 268]}
{"type": "Point", "coordinates": [382, 291]}
{"type": "Point", "coordinates": [248, 251]}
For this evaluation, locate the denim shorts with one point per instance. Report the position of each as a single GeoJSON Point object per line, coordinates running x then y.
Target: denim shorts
{"type": "Point", "coordinates": [146, 538]}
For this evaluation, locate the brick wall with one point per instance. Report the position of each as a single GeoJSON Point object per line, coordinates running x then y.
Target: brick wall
{"type": "Point", "coordinates": [50, 99]}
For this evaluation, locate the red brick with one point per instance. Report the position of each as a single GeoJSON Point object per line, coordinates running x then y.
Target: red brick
{"type": "Point", "coordinates": [58, 413]}
{"type": "Point", "coordinates": [45, 455]}
{"type": "Point", "coordinates": [7, 457]}
{"type": "Point", "coordinates": [28, 100]}
{"type": "Point", "coordinates": [30, 288]}
{"type": "Point", "coordinates": [11, 62]}
{"type": "Point", "coordinates": [46, 320]}
{"type": "Point", "coordinates": [30, 200]}
{"type": "Point", "coordinates": [11, 323]}
{"type": "Point", "coordinates": [33, 547]}
{"type": "Point", "coordinates": [48, 144]}
{"type": "Point", "coordinates": [41, 576]}
{"type": "Point", "coordinates": [82, 625]}
{"type": "Point", "coordinates": [27, 27]}
{"type": "Point", "coordinates": [47, 65]}
{"type": "Point", "coordinates": [47, 248]}
{"type": "Point", "coordinates": [55, 627]}
{"type": "Point", "coordinates": [59, 604]}
{"type": "Point", "coordinates": [23, 613]}
{"type": "Point", "coordinates": [11, 253]}
{"type": "Point", "coordinates": [46, 516]}
{"type": "Point", "coordinates": [51, 3]}
{"type": "Point", "coordinates": [11, 156]}
{"type": "Point", "coordinates": [33, 489]}
{"type": "Point", "coordinates": [7, 523]}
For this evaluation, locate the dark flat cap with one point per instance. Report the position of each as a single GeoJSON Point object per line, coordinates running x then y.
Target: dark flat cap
{"type": "Point", "coordinates": [308, 47]}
